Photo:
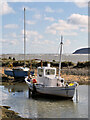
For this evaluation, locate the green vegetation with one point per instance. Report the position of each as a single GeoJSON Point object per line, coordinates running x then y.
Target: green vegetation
{"type": "Point", "coordinates": [82, 64]}
{"type": "Point", "coordinates": [76, 71]}
{"type": "Point", "coordinates": [79, 71]}
{"type": "Point", "coordinates": [67, 64]}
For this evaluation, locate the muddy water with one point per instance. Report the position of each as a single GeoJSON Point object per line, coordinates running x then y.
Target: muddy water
{"type": "Point", "coordinates": [16, 96]}
{"type": "Point", "coordinates": [49, 57]}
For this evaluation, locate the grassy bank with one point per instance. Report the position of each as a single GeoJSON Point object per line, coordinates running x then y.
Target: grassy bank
{"type": "Point", "coordinates": [36, 63]}
{"type": "Point", "coordinates": [69, 74]}
{"type": "Point", "coordinates": [70, 71]}
{"type": "Point", "coordinates": [6, 113]}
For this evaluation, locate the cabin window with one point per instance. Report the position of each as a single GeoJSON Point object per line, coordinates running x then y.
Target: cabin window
{"type": "Point", "coordinates": [40, 72]}
{"type": "Point", "coordinates": [50, 72]}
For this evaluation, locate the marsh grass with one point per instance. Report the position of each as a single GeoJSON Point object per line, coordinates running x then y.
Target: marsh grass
{"type": "Point", "coordinates": [76, 71]}
{"type": "Point", "coordinates": [70, 71]}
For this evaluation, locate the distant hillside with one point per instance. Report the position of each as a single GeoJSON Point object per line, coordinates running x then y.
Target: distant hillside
{"type": "Point", "coordinates": [82, 51]}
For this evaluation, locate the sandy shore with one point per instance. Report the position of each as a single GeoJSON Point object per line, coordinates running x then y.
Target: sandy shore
{"type": "Point", "coordinates": [81, 79]}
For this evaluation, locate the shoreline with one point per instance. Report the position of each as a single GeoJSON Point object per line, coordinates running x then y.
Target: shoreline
{"type": "Point", "coordinates": [10, 114]}
{"type": "Point", "coordinates": [48, 57]}
{"type": "Point", "coordinates": [77, 75]}
{"type": "Point", "coordinates": [6, 113]}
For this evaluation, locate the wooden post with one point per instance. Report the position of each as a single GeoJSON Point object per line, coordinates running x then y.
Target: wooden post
{"type": "Point", "coordinates": [29, 92]}
{"type": "Point", "coordinates": [77, 99]}
{"type": "Point", "coordinates": [41, 64]}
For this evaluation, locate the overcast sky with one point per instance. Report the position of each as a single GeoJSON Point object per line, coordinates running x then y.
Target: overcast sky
{"type": "Point", "coordinates": [45, 22]}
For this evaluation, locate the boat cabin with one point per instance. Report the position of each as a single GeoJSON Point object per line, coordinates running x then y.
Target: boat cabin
{"type": "Point", "coordinates": [45, 71]}
{"type": "Point", "coordinates": [47, 76]}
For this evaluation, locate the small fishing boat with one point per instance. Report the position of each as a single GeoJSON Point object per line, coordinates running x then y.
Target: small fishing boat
{"type": "Point", "coordinates": [19, 72]}
{"type": "Point", "coordinates": [47, 82]}
{"type": "Point", "coordinates": [8, 72]}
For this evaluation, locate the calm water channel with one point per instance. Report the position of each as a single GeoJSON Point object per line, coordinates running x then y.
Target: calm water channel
{"type": "Point", "coordinates": [16, 96]}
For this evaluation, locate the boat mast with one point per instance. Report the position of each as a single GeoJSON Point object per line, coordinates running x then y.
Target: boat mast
{"type": "Point", "coordinates": [24, 38]}
{"type": "Point", "coordinates": [60, 55]}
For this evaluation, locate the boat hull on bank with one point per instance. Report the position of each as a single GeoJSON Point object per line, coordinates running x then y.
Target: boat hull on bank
{"type": "Point", "coordinates": [18, 72]}
{"type": "Point", "coordinates": [8, 72]}
{"type": "Point", "coordinates": [67, 92]}
{"type": "Point", "coordinates": [57, 91]}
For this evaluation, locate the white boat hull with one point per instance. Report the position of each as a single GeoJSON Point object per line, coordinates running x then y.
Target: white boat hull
{"type": "Point", "coordinates": [56, 91]}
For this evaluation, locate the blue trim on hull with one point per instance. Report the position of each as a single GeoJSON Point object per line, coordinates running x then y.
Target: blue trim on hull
{"type": "Point", "coordinates": [17, 73]}
{"type": "Point", "coordinates": [9, 72]}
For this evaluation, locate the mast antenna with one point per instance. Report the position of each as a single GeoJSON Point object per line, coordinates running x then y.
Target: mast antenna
{"type": "Point", "coordinates": [24, 38]}
{"type": "Point", "coordinates": [61, 43]}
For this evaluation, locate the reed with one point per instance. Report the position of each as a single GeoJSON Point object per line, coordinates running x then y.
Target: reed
{"type": "Point", "coordinates": [65, 64]}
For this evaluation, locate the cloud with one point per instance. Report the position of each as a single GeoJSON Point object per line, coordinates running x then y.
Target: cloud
{"type": "Point", "coordinates": [29, 9]}
{"type": "Point", "coordinates": [68, 33]}
{"type": "Point", "coordinates": [77, 19]}
{"type": "Point", "coordinates": [49, 18]}
{"type": "Point", "coordinates": [11, 26]}
{"type": "Point", "coordinates": [30, 22]}
{"type": "Point", "coordinates": [13, 42]}
{"type": "Point", "coordinates": [6, 9]}
{"type": "Point", "coordinates": [48, 42]}
{"type": "Point", "coordinates": [34, 35]}
{"type": "Point", "coordinates": [59, 10]}
{"type": "Point", "coordinates": [52, 31]}
{"type": "Point", "coordinates": [11, 35]}
{"type": "Point", "coordinates": [9, 41]}
{"type": "Point", "coordinates": [36, 39]}
{"type": "Point", "coordinates": [84, 30]}
{"type": "Point", "coordinates": [37, 16]}
{"type": "Point", "coordinates": [14, 35]}
{"type": "Point", "coordinates": [10, 38]}
{"type": "Point", "coordinates": [67, 43]}
{"type": "Point", "coordinates": [3, 40]}
{"type": "Point", "coordinates": [80, 20]}
{"type": "Point", "coordinates": [49, 9]}
{"type": "Point", "coordinates": [43, 42]}
{"type": "Point", "coordinates": [70, 26]}
{"type": "Point", "coordinates": [62, 27]}
{"type": "Point", "coordinates": [81, 4]}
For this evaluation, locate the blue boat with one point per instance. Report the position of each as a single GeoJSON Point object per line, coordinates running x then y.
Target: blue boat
{"type": "Point", "coordinates": [8, 72]}
{"type": "Point", "coordinates": [18, 72]}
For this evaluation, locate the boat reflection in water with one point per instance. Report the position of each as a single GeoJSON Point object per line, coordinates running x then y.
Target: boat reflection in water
{"type": "Point", "coordinates": [39, 107]}
{"type": "Point", "coordinates": [21, 87]}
